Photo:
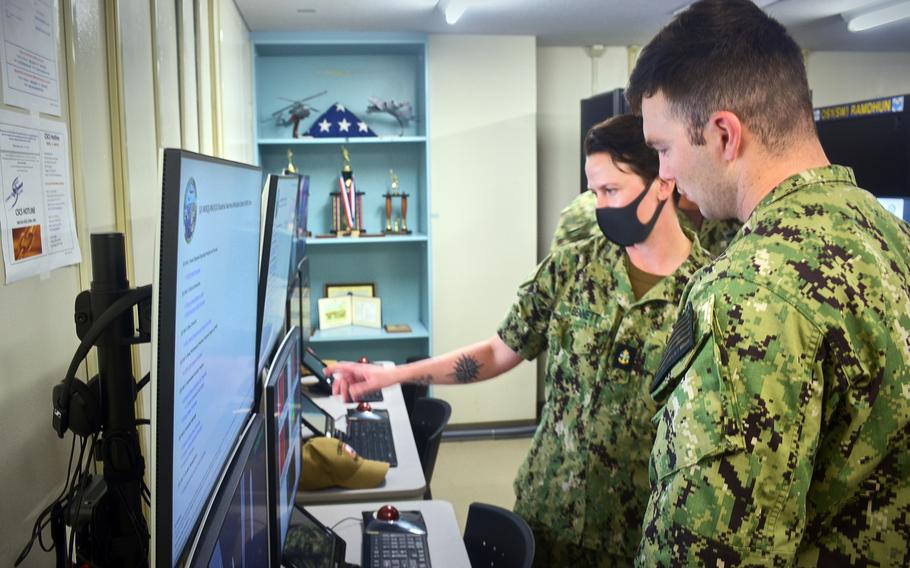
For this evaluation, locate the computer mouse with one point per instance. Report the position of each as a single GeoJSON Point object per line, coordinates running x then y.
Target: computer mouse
{"type": "Point", "coordinates": [364, 407]}
{"type": "Point", "coordinates": [387, 513]}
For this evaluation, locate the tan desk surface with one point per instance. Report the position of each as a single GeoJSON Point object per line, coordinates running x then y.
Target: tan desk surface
{"type": "Point", "coordinates": [405, 481]}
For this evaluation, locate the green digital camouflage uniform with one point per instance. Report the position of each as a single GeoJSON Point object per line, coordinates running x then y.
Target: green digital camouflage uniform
{"type": "Point", "coordinates": [583, 486]}
{"type": "Point", "coordinates": [784, 436]}
{"type": "Point", "coordinates": [578, 222]}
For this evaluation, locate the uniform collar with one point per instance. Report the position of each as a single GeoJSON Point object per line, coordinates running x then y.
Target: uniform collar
{"type": "Point", "coordinates": [670, 287]}
{"type": "Point", "coordinates": [813, 176]}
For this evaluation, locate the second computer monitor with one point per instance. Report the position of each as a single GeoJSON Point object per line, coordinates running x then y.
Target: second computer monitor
{"type": "Point", "coordinates": [282, 412]}
{"type": "Point", "coordinates": [298, 308]}
{"type": "Point", "coordinates": [278, 225]}
{"type": "Point", "coordinates": [303, 199]}
{"type": "Point", "coordinates": [236, 530]}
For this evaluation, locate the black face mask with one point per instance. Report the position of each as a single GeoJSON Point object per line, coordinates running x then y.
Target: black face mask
{"type": "Point", "coordinates": [621, 224]}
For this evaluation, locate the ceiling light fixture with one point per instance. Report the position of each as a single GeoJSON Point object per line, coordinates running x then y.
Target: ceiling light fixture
{"type": "Point", "coordinates": [454, 10]}
{"type": "Point", "coordinates": [867, 19]}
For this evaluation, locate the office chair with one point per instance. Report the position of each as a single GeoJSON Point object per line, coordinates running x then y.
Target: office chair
{"type": "Point", "coordinates": [497, 537]}
{"type": "Point", "coordinates": [428, 420]}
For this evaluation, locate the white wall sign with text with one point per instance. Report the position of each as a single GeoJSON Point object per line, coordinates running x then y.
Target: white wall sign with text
{"type": "Point", "coordinates": [37, 222]}
{"type": "Point", "coordinates": [28, 54]}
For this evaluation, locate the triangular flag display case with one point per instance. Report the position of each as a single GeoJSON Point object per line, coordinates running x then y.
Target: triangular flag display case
{"type": "Point", "coordinates": [326, 97]}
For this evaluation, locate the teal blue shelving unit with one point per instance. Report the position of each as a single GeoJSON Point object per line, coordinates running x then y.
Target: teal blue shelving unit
{"type": "Point", "coordinates": [352, 68]}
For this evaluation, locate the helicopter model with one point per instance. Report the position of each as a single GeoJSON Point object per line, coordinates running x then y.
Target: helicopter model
{"type": "Point", "coordinates": [400, 110]}
{"type": "Point", "coordinates": [293, 113]}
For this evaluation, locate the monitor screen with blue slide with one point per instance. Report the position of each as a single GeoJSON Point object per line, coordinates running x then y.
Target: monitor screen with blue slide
{"type": "Point", "coordinates": [899, 207]}
{"type": "Point", "coordinates": [235, 532]}
{"type": "Point", "coordinates": [282, 412]}
{"type": "Point", "coordinates": [203, 337]}
{"type": "Point", "coordinates": [279, 202]}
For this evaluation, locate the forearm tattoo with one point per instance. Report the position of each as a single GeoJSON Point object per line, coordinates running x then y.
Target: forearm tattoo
{"type": "Point", "coordinates": [422, 380]}
{"type": "Point", "coordinates": [466, 369]}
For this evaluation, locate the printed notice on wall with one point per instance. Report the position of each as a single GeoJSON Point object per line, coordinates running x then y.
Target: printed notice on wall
{"type": "Point", "coordinates": [37, 223]}
{"type": "Point", "coordinates": [28, 54]}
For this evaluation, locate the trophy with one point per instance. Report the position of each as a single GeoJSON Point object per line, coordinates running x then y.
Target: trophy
{"type": "Point", "coordinates": [290, 169]}
{"type": "Point", "coordinates": [400, 226]}
{"type": "Point", "coordinates": [347, 202]}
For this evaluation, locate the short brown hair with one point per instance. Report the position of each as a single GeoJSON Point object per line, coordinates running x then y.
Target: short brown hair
{"type": "Point", "coordinates": [727, 55]}
{"type": "Point", "coordinates": [623, 139]}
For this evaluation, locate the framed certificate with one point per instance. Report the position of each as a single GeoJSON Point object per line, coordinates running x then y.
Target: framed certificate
{"type": "Point", "coordinates": [367, 289]}
{"type": "Point", "coordinates": [334, 312]}
{"type": "Point", "coordinates": [366, 312]}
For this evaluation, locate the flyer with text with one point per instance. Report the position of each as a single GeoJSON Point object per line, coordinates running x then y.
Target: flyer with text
{"type": "Point", "coordinates": [38, 226]}
{"type": "Point", "coordinates": [28, 54]}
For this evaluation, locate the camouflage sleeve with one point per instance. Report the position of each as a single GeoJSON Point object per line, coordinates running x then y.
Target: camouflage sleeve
{"type": "Point", "coordinates": [577, 221]}
{"type": "Point", "coordinates": [524, 328]}
{"type": "Point", "coordinates": [733, 457]}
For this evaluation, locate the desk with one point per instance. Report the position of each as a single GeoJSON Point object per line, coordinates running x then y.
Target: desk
{"type": "Point", "coordinates": [443, 535]}
{"type": "Point", "coordinates": [405, 481]}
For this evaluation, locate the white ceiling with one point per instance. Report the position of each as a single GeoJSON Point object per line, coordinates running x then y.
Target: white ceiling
{"type": "Point", "coordinates": [816, 24]}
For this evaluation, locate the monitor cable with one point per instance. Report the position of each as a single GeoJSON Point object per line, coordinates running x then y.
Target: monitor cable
{"type": "Point", "coordinates": [46, 516]}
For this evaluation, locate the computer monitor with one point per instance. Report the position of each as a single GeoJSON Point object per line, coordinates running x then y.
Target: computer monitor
{"type": "Point", "coordinates": [313, 545]}
{"type": "Point", "coordinates": [872, 138]}
{"type": "Point", "coordinates": [203, 337]}
{"type": "Point", "coordinates": [279, 201]}
{"type": "Point", "coordinates": [282, 412]}
{"type": "Point", "coordinates": [298, 305]}
{"type": "Point", "coordinates": [303, 199]}
{"type": "Point", "coordinates": [235, 532]}
{"type": "Point", "coordinates": [897, 206]}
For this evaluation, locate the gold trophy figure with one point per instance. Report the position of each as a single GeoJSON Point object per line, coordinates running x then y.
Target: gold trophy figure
{"type": "Point", "coordinates": [400, 226]}
{"type": "Point", "coordinates": [291, 169]}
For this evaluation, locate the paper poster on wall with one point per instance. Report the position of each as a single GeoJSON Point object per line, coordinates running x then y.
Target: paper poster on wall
{"type": "Point", "coordinates": [28, 52]}
{"type": "Point", "coordinates": [37, 223]}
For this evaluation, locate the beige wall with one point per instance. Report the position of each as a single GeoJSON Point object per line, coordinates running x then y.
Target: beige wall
{"type": "Point", "coordinates": [839, 77]}
{"type": "Point", "coordinates": [38, 318]}
{"type": "Point", "coordinates": [236, 86]}
{"type": "Point", "coordinates": [565, 75]}
{"type": "Point", "coordinates": [482, 123]}
{"type": "Point", "coordinates": [122, 91]}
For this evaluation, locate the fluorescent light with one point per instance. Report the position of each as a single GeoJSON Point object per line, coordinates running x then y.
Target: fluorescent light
{"type": "Point", "coordinates": [868, 19]}
{"type": "Point", "coordinates": [454, 10]}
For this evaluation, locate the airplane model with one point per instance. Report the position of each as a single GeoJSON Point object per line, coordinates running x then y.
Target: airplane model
{"type": "Point", "coordinates": [400, 110]}
{"type": "Point", "coordinates": [294, 112]}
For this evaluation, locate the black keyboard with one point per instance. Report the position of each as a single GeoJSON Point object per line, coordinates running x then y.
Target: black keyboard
{"type": "Point", "coordinates": [395, 550]}
{"type": "Point", "coordinates": [372, 439]}
{"type": "Point", "coordinates": [375, 396]}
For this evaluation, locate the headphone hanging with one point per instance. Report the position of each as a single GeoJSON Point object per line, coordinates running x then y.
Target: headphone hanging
{"type": "Point", "coordinates": [77, 406]}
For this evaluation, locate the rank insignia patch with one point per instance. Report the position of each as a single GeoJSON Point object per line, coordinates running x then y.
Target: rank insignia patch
{"type": "Point", "coordinates": [624, 356]}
